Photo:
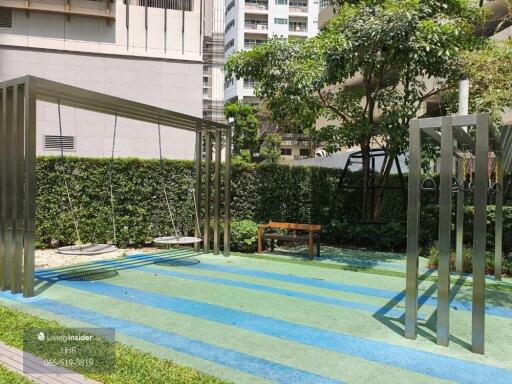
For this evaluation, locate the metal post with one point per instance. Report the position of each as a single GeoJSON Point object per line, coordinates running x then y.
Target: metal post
{"type": "Point", "coordinates": [445, 220]}
{"type": "Point", "coordinates": [480, 232]}
{"type": "Point", "coordinates": [30, 191]}
{"type": "Point", "coordinates": [216, 218]}
{"type": "Point", "coordinates": [413, 222]}
{"type": "Point", "coordinates": [18, 145]}
{"type": "Point", "coordinates": [3, 145]}
{"type": "Point", "coordinates": [8, 186]}
{"type": "Point", "coordinates": [498, 228]}
{"type": "Point", "coordinates": [227, 195]}
{"type": "Point", "coordinates": [207, 171]}
{"type": "Point", "coordinates": [197, 191]}
{"type": "Point", "coordinates": [459, 218]}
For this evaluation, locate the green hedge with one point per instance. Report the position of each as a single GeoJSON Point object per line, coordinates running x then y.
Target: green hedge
{"type": "Point", "coordinates": [260, 193]}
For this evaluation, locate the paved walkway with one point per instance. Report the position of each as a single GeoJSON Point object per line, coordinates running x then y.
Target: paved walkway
{"type": "Point", "coordinates": [13, 359]}
{"type": "Point", "coordinates": [260, 321]}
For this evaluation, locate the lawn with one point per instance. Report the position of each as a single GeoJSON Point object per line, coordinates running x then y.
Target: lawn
{"type": "Point", "coordinates": [271, 318]}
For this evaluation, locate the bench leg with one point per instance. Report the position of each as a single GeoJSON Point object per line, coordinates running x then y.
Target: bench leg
{"type": "Point", "coordinates": [272, 245]}
{"type": "Point", "coordinates": [260, 240]}
{"type": "Point", "coordinates": [310, 246]}
{"type": "Point", "coordinates": [317, 248]}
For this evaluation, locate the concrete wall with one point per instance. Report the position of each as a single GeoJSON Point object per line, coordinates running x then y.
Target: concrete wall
{"type": "Point", "coordinates": [167, 84]}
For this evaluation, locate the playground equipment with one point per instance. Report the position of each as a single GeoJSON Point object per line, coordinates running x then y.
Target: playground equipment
{"type": "Point", "coordinates": [18, 99]}
{"type": "Point", "coordinates": [456, 142]}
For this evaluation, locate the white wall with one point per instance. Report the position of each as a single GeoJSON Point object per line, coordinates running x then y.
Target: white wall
{"type": "Point", "coordinates": [171, 85]}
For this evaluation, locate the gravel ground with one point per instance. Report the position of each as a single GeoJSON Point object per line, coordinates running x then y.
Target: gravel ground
{"type": "Point", "coordinates": [49, 258]}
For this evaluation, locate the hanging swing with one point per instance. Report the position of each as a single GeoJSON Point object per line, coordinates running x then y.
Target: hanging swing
{"type": "Point", "coordinates": [177, 238]}
{"type": "Point", "coordinates": [89, 249]}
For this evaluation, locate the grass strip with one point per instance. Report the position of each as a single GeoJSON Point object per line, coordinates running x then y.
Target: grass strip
{"type": "Point", "coordinates": [9, 377]}
{"type": "Point", "coordinates": [456, 280]}
{"type": "Point", "coordinates": [132, 365]}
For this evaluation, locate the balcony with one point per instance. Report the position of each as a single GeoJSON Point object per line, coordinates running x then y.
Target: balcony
{"type": "Point", "coordinates": [254, 25]}
{"type": "Point", "coordinates": [256, 5]}
{"type": "Point", "coordinates": [298, 27]}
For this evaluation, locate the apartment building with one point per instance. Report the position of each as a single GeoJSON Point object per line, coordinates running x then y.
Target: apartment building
{"type": "Point", "coordinates": [144, 50]}
{"type": "Point", "coordinates": [252, 22]}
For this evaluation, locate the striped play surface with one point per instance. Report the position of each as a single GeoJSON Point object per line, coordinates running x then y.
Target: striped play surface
{"type": "Point", "coordinates": [259, 321]}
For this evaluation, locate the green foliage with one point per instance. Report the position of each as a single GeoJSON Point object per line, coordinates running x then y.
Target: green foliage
{"type": "Point", "coordinates": [271, 148]}
{"type": "Point", "coordinates": [10, 377]}
{"type": "Point", "coordinates": [467, 261]}
{"type": "Point", "coordinates": [245, 128]}
{"type": "Point", "coordinates": [244, 236]}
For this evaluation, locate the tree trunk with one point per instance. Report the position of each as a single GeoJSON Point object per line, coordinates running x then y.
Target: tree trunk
{"type": "Point", "coordinates": [379, 196]}
{"type": "Point", "coordinates": [365, 159]}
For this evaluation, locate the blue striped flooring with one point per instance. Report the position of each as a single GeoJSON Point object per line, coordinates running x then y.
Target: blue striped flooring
{"type": "Point", "coordinates": [259, 367]}
{"type": "Point", "coordinates": [413, 360]}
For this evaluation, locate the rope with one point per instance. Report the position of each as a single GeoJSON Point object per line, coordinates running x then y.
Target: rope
{"type": "Point", "coordinates": [162, 178]}
{"type": "Point", "coordinates": [64, 177]}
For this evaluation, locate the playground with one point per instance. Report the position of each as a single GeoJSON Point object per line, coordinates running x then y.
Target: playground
{"type": "Point", "coordinates": [254, 320]}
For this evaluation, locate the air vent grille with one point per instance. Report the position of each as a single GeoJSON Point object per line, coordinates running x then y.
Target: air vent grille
{"type": "Point", "coordinates": [5, 18]}
{"type": "Point", "coordinates": [53, 143]}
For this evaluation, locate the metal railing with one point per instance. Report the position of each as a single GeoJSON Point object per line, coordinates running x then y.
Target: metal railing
{"type": "Point", "coordinates": [185, 5]}
{"type": "Point", "coordinates": [259, 26]}
{"type": "Point", "coordinates": [298, 28]}
{"type": "Point", "coordinates": [258, 6]}
{"type": "Point", "coordinates": [298, 9]}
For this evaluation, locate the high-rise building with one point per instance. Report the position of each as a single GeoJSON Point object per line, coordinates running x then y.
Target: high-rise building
{"type": "Point", "coordinates": [213, 55]}
{"type": "Point", "coordinates": [252, 22]}
{"type": "Point", "coordinates": [149, 51]}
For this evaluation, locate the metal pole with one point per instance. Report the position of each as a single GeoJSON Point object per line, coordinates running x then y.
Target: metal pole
{"type": "Point", "coordinates": [216, 225]}
{"type": "Point", "coordinates": [17, 281]}
{"type": "Point", "coordinates": [197, 165]}
{"type": "Point", "coordinates": [206, 234]}
{"type": "Point", "coordinates": [9, 185]}
{"type": "Point", "coordinates": [30, 191]}
{"type": "Point", "coordinates": [3, 160]}
{"type": "Point", "coordinates": [227, 194]}
{"type": "Point", "coordinates": [498, 229]}
{"type": "Point", "coordinates": [445, 220]}
{"type": "Point", "coordinates": [413, 222]}
{"type": "Point", "coordinates": [459, 219]}
{"type": "Point", "coordinates": [480, 232]}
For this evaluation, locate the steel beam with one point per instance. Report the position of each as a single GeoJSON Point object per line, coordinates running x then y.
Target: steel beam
{"type": "Point", "coordinates": [18, 144]}
{"type": "Point", "coordinates": [413, 222]}
{"type": "Point", "coordinates": [3, 165]}
{"type": "Point", "coordinates": [217, 184]}
{"type": "Point", "coordinates": [9, 185]}
{"type": "Point", "coordinates": [498, 224]}
{"type": "Point", "coordinates": [30, 191]}
{"type": "Point", "coordinates": [445, 220]}
{"type": "Point", "coordinates": [459, 217]}
{"type": "Point", "coordinates": [198, 187]}
{"type": "Point", "coordinates": [227, 195]}
{"type": "Point", "coordinates": [480, 232]}
{"type": "Point", "coordinates": [207, 192]}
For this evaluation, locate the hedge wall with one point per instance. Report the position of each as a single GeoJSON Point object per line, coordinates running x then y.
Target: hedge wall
{"type": "Point", "coordinates": [260, 193]}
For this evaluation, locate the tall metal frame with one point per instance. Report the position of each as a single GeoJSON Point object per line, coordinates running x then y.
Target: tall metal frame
{"type": "Point", "coordinates": [18, 103]}
{"type": "Point", "coordinates": [455, 143]}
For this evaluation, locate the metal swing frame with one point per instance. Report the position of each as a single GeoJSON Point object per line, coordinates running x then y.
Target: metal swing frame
{"type": "Point", "coordinates": [18, 111]}
{"type": "Point", "coordinates": [455, 141]}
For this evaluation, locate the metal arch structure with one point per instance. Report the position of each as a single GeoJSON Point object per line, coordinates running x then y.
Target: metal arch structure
{"type": "Point", "coordinates": [450, 133]}
{"type": "Point", "coordinates": [18, 110]}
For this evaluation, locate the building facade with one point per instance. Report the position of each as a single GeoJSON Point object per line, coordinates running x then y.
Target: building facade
{"type": "Point", "coordinates": [252, 22]}
{"type": "Point", "coordinates": [149, 51]}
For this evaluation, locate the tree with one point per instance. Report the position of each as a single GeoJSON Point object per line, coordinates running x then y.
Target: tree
{"type": "Point", "coordinates": [368, 71]}
{"type": "Point", "coordinates": [246, 127]}
{"type": "Point", "coordinates": [271, 148]}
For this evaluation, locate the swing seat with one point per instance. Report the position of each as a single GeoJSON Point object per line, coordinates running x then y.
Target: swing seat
{"type": "Point", "coordinates": [428, 184]}
{"type": "Point", "coordinates": [87, 249]}
{"type": "Point", "coordinates": [177, 240]}
{"type": "Point", "coordinates": [456, 187]}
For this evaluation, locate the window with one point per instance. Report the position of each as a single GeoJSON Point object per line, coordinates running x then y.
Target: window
{"type": "Point", "coordinates": [304, 152]}
{"type": "Point", "coordinates": [280, 21]}
{"type": "Point", "coordinates": [250, 43]}
{"type": "Point", "coordinates": [249, 83]}
{"type": "Point", "coordinates": [54, 143]}
{"type": "Point", "coordinates": [5, 18]}
{"type": "Point", "coordinates": [230, 6]}
{"type": "Point", "coordinates": [185, 5]}
{"type": "Point", "coordinates": [281, 2]}
{"type": "Point", "coordinates": [286, 151]}
{"type": "Point", "coordinates": [229, 45]}
{"type": "Point", "coordinates": [230, 25]}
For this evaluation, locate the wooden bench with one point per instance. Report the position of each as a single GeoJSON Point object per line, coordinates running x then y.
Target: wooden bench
{"type": "Point", "coordinates": [310, 238]}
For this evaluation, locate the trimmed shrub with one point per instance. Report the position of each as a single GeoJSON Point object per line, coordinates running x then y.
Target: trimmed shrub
{"type": "Point", "coordinates": [244, 236]}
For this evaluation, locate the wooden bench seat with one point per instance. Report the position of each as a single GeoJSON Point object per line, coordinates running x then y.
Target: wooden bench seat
{"type": "Point", "coordinates": [312, 236]}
